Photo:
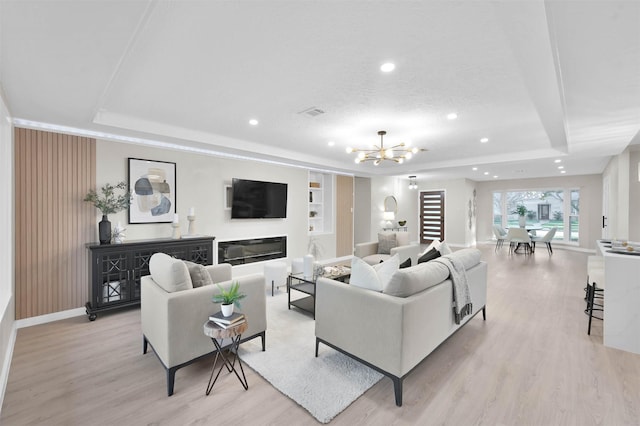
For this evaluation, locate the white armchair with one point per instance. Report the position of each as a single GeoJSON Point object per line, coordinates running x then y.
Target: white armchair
{"type": "Point", "coordinates": [369, 251]}
{"type": "Point", "coordinates": [173, 312]}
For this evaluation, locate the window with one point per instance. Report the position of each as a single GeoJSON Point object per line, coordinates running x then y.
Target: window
{"type": "Point", "coordinates": [545, 209]}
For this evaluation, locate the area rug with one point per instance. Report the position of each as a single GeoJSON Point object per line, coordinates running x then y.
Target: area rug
{"type": "Point", "coordinates": [324, 386]}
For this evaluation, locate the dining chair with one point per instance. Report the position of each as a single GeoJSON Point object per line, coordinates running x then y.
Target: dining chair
{"type": "Point", "coordinates": [546, 238]}
{"type": "Point", "coordinates": [518, 237]}
{"type": "Point", "coordinates": [500, 235]}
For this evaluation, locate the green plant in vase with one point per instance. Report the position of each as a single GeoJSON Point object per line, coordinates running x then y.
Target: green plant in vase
{"type": "Point", "coordinates": [229, 298]}
{"type": "Point", "coordinates": [108, 201]}
{"type": "Point", "coordinates": [521, 210]}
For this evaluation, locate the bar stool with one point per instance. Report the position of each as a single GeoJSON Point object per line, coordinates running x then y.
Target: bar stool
{"type": "Point", "coordinates": [593, 262]}
{"type": "Point", "coordinates": [275, 273]}
{"type": "Point", "coordinates": [596, 283]}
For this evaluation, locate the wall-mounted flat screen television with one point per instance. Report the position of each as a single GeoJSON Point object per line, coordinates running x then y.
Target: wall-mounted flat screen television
{"type": "Point", "coordinates": [253, 199]}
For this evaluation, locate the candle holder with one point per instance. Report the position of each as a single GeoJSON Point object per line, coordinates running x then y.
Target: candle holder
{"type": "Point", "coordinates": [176, 231]}
{"type": "Point", "coordinates": [192, 225]}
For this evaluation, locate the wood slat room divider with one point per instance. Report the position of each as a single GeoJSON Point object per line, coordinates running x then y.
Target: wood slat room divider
{"type": "Point", "coordinates": [53, 174]}
{"type": "Point", "coordinates": [344, 215]}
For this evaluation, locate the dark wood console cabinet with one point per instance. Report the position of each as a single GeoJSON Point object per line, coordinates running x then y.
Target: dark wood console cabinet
{"type": "Point", "coordinates": [115, 269]}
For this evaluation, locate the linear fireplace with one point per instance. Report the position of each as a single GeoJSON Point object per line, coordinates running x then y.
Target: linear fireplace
{"type": "Point", "coordinates": [240, 252]}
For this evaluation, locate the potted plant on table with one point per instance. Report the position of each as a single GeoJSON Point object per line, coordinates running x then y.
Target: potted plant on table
{"type": "Point", "coordinates": [521, 210]}
{"type": "Point", "coordinates": [108, 202]}
{"type": "Point", "coordinates": [229, 298]}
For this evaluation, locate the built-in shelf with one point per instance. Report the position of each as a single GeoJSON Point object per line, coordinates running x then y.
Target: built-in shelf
{"type": "Point", "coordinates": [320, 202]}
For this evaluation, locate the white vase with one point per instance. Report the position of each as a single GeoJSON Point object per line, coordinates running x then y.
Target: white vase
{"type": "Point", "coordinates": [522, 221]}
{"type": "Point", "coordinates": [307, 265]}
{"type": "Point", "coordinates": [227, 310]}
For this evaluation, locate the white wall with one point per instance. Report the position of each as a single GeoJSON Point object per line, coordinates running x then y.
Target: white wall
{"type": "Point", "coordinates": [622, 204]}
{"type": "Point", "coordinates": [7, 273]}
{"type": "Point", "coordinates": [201, 181]}
{"type": "Point", "coordinates": [382, 187]}
{"type": "Point", "coordinates": [362, 210]}
{"type": "Point", "coordinates": [634, 195]}
{"type": "Point", "coordinates": [590, 217]}
{"type": "Point", "coordinates": [611, 173]}
{"type": "Point", "coordinates": [457, 195]}
{"type": "Point", "coordinates": [624, 196]}
{"type": "Point", "coordinates": [471, 212]}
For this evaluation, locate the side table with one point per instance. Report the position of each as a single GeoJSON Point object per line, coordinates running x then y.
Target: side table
{"type": "Point", "coordinates": [298, 282]}
{"type": "Point", "coordinates": [212, 330]}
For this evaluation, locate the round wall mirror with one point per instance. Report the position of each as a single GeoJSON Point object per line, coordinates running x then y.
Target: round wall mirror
{"type": "Point", "coordinates": [391, 204]}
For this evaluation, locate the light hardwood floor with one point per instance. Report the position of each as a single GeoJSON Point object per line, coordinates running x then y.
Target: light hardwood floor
{"type": "Point", "coordinates": [530, 363]}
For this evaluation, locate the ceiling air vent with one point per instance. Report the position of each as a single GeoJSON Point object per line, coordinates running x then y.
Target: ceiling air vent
{"type": "Point", "coordinates": [312, 112]}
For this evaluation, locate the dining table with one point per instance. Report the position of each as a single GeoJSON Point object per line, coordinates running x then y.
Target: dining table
{"type": "Point", "coordinates": [531, 230]}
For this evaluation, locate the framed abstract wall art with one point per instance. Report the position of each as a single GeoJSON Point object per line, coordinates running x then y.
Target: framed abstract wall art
{"type": "Point", "coordinates": [153, 191]}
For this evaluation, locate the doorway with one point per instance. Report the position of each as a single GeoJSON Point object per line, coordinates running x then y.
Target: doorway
{"type": "Point", "coordinates": [431, 216]}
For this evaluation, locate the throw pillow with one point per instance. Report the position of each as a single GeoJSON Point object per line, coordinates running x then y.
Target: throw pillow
{"type": "Point", "coordinates": [402, 238]}
{"type": "Point", "coordinates": [386, 269]}
{"type": "Point", "coordinates": [198, 273]}
{"type": "Point", "coordinates": [430, 255]}
{"type": "Point", "coordinates": [435, 244]}
{"type": "Point", "coordinates": [406, 263]}
{"type": "Point", "coordinates": [444, 249]}
{"type": "Point", "coordinates": [386, 242]}
{"type": "Point", "coordinates": [375, 277]}
{"type": "Point", "coordinates": [169, 273]}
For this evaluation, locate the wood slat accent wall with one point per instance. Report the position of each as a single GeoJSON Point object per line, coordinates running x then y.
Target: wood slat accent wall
{"type": "Point", "coordinates": [53, 172]}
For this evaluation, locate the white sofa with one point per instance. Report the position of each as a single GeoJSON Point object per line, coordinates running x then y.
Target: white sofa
{"type": "Point", "coordinates": [173, 312]}
{"type": "Point", "coordinates": [369, 251]}
{"type": "Point", "coordinates": [393, 334]}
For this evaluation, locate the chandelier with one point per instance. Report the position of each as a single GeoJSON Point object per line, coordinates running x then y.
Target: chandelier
{"type": "Point", "coordinates": [397, 153]}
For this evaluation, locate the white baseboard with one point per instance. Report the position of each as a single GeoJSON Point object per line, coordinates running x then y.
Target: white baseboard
{"type": "Point", "coordinates": [4, 375]}
{"type": "Point", "coordinates": [43, 319]}
{"type": "Point", "coordinates": [554, 245]}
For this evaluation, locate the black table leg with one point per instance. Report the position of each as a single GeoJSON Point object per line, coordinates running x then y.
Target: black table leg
{"type": "Point", "coordinates": [231, 366]}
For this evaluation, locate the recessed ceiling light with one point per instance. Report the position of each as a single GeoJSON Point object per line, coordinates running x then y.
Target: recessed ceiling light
{"type": "Point", "coordinates": [452, 116]}
{"type": "Point", "coordinates": [560, 167]}
{"type": "Point", "coordinates": [557, 161]}
{"type": "Point", "coordinates": [331, 143]}
{"type": "Point", "coordinates": [474, 168]}
{"type": "Point", "coordinates": [253, 122]}
{"type": "Point", "coordinates": [486, 173]}
{"type": "Point", "coordinates": [387, 67]}
{"type": "Point", "coordinates": [563, 171]}
{"type": "Point", "coordinates": [484, 140]}
{"type": "Point", "coordinates": [495, 176]}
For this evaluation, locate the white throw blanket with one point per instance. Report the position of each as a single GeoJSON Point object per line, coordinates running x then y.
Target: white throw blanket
{"type": "Point", "coordinates": [462, 305]}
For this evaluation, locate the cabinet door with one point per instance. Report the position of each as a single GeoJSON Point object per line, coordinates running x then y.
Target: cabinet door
{"type": "Point", "coordinates": [139, 268]}
{"type": "Point", "coordinates": [177, 251]}
{"type": "Point", "coordinates": [201, 253]}
{"type": "Point", "coordinates": [111, 283]}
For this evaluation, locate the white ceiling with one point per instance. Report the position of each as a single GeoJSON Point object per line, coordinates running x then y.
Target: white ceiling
{"type": "Point", "coordinates": [543, 80]}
